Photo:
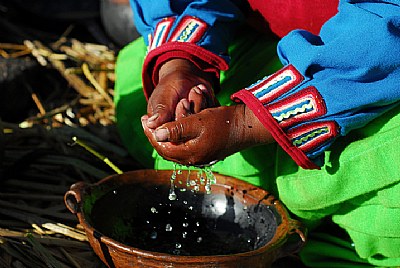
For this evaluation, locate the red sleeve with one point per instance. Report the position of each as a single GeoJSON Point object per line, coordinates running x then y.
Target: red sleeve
{"type": "Point", "coordinates": [285, 16]}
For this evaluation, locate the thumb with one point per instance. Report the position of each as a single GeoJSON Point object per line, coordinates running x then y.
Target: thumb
{"type": "Point", "coordinates": [176, 131]}
{"type": "Point", "coordinates": [160, 114]}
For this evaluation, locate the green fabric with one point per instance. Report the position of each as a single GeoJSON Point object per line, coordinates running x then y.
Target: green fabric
{"type": "Point", "coordinates": [130, 103]}
{"type": "Point", "coordinates": [358, 188]}
{"type": "Point", "coordinates": [325, 250]}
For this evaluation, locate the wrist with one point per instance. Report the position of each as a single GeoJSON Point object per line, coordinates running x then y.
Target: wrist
{"type": "Point", "coordinates": [252, 132]}
{"type": "Point", "coordinates": [175, 65]}
{"type": "Point", "coordinates": [185, 68]}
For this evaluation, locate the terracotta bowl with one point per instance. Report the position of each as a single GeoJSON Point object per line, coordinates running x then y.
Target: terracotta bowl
{"type": "Point", "coordinates": [140, 219]}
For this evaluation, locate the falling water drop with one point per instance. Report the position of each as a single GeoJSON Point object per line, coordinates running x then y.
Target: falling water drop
{"type": "Point", "coordinates": [172, 194]}
{"type": "Point", "coordinates": [153, 210]}
{"type": "Point", "coordinates": [168, 227]}
{"type": "Point", "coordinates": [153, 235]}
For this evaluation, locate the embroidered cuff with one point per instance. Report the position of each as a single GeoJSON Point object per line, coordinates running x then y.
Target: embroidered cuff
{"type": "Point", "coordinates": [292, 114]}
{"type": "Point", "coordinates": [180, 43]}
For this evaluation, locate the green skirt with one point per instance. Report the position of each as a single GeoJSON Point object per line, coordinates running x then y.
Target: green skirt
{"type": "Point", "coordinates": [357, 190]}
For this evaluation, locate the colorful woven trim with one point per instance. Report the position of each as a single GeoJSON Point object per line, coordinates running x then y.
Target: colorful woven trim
{"type": "Point", "coordinates": [189, 29]}
{"type": "Point", "coordinates": [178, 39]}
{"type": "Point", "coordinates": [271, 87]}
{"type": "Point", "coordinates": [161, 33]}
{"type": "Point", "coordinates": [311, 136]}
{"type": "Point", "coordinates": [276, 131]}
{"type": "Point", "coordinates": [305, 105]}
{"type": "Point", "coordinates": [290, 112]}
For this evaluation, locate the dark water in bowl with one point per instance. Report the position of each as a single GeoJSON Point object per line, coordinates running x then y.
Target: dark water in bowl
{"type": "Point", "coordinates": [195, 224]}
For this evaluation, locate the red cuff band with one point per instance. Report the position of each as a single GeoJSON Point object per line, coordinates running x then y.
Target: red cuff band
{"type": "Point", "coordinates": [273, 127]}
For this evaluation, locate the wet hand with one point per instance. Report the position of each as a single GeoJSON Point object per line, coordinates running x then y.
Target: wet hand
{"type": "Point", "coordinates": [179, 79]}
{"type": "Point", "coordinates": [208, 136]}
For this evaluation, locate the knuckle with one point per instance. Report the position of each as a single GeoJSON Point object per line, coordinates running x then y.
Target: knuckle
{"type": "Point", "coordinates": [177, 132]}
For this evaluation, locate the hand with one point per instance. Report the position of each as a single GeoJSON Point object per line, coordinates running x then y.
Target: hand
{"type": "Point", "coordinates": [208, 136]}
{"type": "Point", "coordinates": [179, 79]}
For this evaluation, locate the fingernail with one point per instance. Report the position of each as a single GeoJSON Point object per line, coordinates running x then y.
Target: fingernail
{"type": "Point", "coordinates": [202, 87]}
{"type": "Point", "coordinates": [186, 104]}
{"type": "Point", "coordinates": [197, 90]}
{"type": "Point", "coordinates": [143, 119]}
{"type": "Point", "coordinates": [161, 134]}
{"type": "Point", "coordinates": [153, 117]}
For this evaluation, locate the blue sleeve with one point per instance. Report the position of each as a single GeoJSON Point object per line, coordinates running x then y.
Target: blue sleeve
{"type": "Point", "coordinates": [332, 83]}
{"type": "Point", "coordinates": [219, 19]}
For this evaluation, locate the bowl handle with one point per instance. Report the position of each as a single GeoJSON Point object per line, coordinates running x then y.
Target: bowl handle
{"type": "Point", "coordinates": [297, 236]}
{"type": "Point", "coordinates": [73, 197]}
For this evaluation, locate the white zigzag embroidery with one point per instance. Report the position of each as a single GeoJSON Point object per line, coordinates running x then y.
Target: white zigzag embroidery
{"type": "Point", "coordinates": [296, 111]}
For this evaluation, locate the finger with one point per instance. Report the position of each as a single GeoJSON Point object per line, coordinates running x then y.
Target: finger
{"type": "Point", "coordinates": [160, 114]}
{"type": "Point", "coordinates": [147, 131]}
{"type": "Point", "coordinates": [178, 131]}
{"type": "Point", "coordinates": [198, 98]}
{"type": "Point", "coordinates": [211, 99]}
{"type": "Point", "coordinates": [182, 109]}
{"type": "Point", "coordinates": [177, 152]}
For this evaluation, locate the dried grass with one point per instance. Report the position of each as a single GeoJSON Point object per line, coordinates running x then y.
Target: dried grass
{"type": "Point", "coordinates": [38, 161]}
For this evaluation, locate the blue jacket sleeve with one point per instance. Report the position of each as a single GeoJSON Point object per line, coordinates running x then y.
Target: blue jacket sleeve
{"type": "Point", "coordinates": [331, 83]}
{"type": "Point", "coordinates": [198, 30]}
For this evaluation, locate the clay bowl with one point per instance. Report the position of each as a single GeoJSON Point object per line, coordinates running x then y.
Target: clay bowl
{"type": "Point", "coordinates": [130, 221]}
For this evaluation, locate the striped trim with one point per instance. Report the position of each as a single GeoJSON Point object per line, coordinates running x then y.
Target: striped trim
{"type": "Point", "coordinates": [161, 32]}
{"type": "Point", "coordinates": [302, 106]}
{"type": "Point", "coordinates": [190, 29]}
{"type": "Point", "coordinates": [271, 87]}
{"type": "Point", "coordinates": [311, 136]}
{"type": "Point", "coordinates": [149, 40]}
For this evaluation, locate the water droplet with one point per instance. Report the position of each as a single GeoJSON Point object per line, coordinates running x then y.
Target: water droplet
{"type": "Point", "coordinates": [196, 188]}
{"type": "Point", "coordinates": [184, 234]}
{"type": "Point", "coordinates": [153, 235]}
{"type": "Point", "coordinates": [153, 210]}
{"type": "Point", "coordinates": [172, 196]}
{"type": "Point", "coordinates": [227, 121]}
{"type": "Point", "coordinates": [199, 239]}
{"type": "Point", "coordinates": [197, 224]}
{"type": "Point", "coordinates": [190, 208]}
{"type": "Point", "coordinates": [185, 224]}
{"type": "Point", "coordinates": [168, 227]}
{"type": "Point", "coordinates": [185, 202]}
{"type": "Point", "coordinates": [188, 177]}
{"type": "Point", "coordinates": [177, 245]}
{"type": "Point", "coordinates": [208, 189]}
{"type": "Point", "coordinates": [193, 183]}
{"type": "Point", "coordinates": [115, 192]}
